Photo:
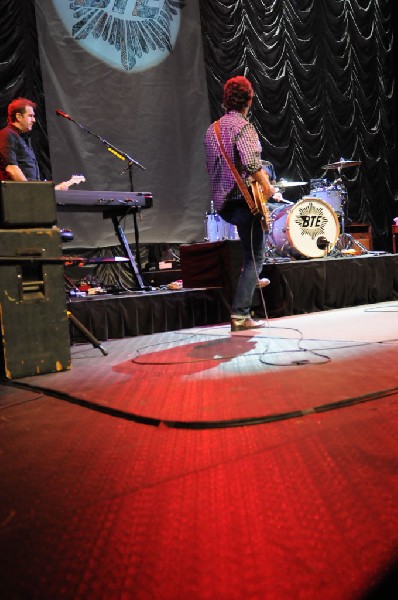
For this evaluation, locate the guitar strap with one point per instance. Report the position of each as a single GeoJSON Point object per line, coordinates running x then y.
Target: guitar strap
{"type": "Point", "coordinates": [245, 192]}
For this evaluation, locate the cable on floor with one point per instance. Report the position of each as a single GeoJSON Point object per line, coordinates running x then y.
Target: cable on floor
{"type": "Point", "coordinates": [216, 424]}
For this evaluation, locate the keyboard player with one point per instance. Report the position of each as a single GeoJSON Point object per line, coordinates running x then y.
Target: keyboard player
{"type": "Point", "coordinates": [18, 160]}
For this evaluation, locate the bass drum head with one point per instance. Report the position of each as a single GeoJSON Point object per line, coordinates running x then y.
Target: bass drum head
{"type": "Point", "coordinates": [308, 221]}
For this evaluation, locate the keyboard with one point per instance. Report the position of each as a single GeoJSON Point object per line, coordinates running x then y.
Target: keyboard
{"type": "Point", "coordinates": [87, 200]}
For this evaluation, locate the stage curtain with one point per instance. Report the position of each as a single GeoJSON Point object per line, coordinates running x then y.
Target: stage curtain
{"type": "Point", "coordinates": [323, 74]}
{"type": "Point", "coordinates": [20, 72]}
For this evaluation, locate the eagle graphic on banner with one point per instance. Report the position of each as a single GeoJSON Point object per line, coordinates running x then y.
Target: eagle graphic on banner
{"type": "Point", "coordinates": [134, 28]}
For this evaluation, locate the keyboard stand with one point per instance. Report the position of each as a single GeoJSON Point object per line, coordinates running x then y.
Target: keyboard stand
{"type": "Point", "coordinates": [127, 250]}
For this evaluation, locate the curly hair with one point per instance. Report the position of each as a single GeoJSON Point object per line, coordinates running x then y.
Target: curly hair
{"type": "Point", "coordinates": [18, 106]}
{"type": "Point", "coordinates": [238, 92]}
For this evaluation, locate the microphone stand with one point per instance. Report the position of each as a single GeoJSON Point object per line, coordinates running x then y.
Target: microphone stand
{"type": "Point", "coordinates": [110, 147]}
{"type": "Point", "coordinates": [136, 270]}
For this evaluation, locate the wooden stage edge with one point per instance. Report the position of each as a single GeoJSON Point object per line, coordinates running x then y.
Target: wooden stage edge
{"type": "Point", "coordinates": [209, 277]}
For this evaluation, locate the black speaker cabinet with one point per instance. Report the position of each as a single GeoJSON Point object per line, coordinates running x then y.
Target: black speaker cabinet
{"type": "Point", "coordinates": [34, 323]}
{"type": "Point", "coordinates": [27, 204]}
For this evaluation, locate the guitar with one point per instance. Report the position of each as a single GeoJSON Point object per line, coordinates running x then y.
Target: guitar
{"type": "Point", "coordinates": [261, 206]}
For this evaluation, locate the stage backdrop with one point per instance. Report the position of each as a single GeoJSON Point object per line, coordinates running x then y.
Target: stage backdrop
{"type": "Point", "coordinates": [131, 73]}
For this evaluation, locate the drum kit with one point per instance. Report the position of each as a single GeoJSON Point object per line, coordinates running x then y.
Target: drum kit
{"type": "Point", "coordinates": [309, 228]}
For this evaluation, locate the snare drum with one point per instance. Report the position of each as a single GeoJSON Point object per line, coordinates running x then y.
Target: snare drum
{"type": "Point", "coordinates": [333, 195]}
{"type": "Point", "coordinates": [298, 229]}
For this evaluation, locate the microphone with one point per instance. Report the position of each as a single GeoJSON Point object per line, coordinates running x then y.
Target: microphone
{"type": "Point", "coordinates": [322, 242]}
{"type": "Point", "coordinates": [62, 114]}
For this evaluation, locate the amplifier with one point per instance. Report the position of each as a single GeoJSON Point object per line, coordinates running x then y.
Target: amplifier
{"type": "Point", "coordinates": [34, 323]}
{"type": "Point", "coordinates": [27, 204]}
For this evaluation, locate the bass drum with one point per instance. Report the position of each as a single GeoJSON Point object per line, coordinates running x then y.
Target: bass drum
{"type": "Point", "coordinates": [309, 229]}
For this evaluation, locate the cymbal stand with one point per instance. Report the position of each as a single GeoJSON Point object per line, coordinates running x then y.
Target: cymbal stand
{"type": "Point", "coordinates": [346, 241]}
{"type": "Point", "coordinates": [270, 252]}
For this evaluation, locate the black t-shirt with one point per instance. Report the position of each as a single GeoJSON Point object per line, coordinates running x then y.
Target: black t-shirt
{"type": "Point", "coordinates": [15, 149]}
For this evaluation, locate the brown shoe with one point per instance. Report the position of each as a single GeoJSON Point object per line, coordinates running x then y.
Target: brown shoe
{"type": "Point", "coordinates": [244, 323]}
{"type": "Point", "coordinates": [263, 282]}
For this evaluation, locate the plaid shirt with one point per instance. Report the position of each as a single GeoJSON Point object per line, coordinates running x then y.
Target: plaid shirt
{"type": "Point", "coordinates": [242, 145]}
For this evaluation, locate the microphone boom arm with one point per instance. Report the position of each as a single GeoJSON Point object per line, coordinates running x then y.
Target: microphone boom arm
{"type": "Point", "coordinates": [110, 147]}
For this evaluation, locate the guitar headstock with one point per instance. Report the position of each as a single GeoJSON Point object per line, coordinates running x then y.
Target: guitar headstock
{"type": "Point", "coordinates": [76, 179]}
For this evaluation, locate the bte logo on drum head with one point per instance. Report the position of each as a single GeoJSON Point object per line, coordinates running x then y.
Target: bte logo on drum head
{"type": "Point", "coordinates": [309, 228]}
{"type": "Point", "coordinates": [311, 220]}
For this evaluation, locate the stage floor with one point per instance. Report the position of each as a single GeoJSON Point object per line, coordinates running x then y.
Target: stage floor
{"type": "Point", "coordinates": [204, 464]}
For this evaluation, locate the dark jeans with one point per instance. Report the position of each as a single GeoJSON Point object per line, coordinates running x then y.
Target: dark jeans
{"type": "Point", "coordinates": [252, 238]}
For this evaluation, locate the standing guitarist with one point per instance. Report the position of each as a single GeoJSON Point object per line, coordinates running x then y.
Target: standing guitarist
{"type": "Point", "coordinates": [233, 159]}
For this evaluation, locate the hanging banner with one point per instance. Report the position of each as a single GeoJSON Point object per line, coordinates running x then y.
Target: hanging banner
{"type": "Point", "coordinates": [127, 108]}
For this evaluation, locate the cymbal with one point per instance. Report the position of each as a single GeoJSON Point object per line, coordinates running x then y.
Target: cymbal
{"type": "Point", "coordinates": [282, 183]}
{"type": "Point", "coordinates": [342, 164]}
